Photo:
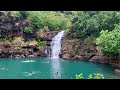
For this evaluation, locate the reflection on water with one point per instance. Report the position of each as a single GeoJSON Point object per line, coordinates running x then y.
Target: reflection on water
{"type": "Point", "coordinates": [45, 62]}
{"type": "Point", "coordinates": [55, 69]}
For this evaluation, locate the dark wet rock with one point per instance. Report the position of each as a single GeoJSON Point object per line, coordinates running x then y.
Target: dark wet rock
{"type": "Point", "coordinates": [47, 35]}
{"type": "Point", "coordinates": [7, 45]}
{"type": "Point", "coordinates": [49, 39]}
{"type": "Point", "coordinates": [101, 59]}
{"type": "Point", "coordinates": [88, 56]}
{"type": "Point", "coordinates": [17, 56]}
{"type": "Point", "coordinates": [78, 57]}
{"type": "Point", "coordinates": [28, 52]}
{"type": "Point", "coordinates": [0, 52]}
{"type": "Point", "coordinates": [35, 49]}
{"type": "Point", "coordinates": [2, 55]}
{"type": "Point", "coordinates": [48, 43]}
{"type": "Point", "coordinates": [9, 26]}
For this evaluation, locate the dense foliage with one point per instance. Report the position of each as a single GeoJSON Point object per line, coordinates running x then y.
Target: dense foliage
{"type": "Point", "coordinates": [109, 42]}
{"type": "Point", "coordinates": [40, 43]}
{"type": "Point", "coordinates": [90, 23]}
{"type": "Point", "coordinates": [40, 19]}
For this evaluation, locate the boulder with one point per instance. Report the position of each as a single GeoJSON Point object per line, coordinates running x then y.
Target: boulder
{"type": "Point", "coordinates": [31, 56]}
{"type": "Point", "coordinates": [78, 57]}
{"type": "Point", "coordinates": [101, 59]}
{"type": "Point", "coordinates": [2, 55]}
{"type": "Point", "coordinates": [0, 52]}
{"type": "Point", "coordinates": [66, 56]}
{"type": "Point", "coordinates": [87, 56]}
{"type": "Point", "coordinates": [7, 45]}
{"type": "Point", "coordinates": [117, 71]}
{"type": "Point", "coordinates": [17, 56]}
{"type": "Point", "coordinates": [48, 43]}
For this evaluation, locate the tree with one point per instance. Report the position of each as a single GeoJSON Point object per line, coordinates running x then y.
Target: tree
{"type": "Point", "coordinates": [90, 23]}
{"type": "Point", "coordinates": [109, 42]}
{"type": "Point", "coordinates": [39, 19]}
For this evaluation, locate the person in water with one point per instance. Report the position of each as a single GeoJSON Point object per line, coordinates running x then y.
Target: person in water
{"type": "Point", "coordinates": [57, 73]}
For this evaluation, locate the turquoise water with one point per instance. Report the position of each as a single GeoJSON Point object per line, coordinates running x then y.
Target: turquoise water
{"type": "Point", "coordinates": [45, 68]}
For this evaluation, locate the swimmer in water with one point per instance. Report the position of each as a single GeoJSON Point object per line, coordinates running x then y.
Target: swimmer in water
{"type": "Point", "coordinates": [57, 73]}
{"type": "Point", "coordinates": [3, 69]}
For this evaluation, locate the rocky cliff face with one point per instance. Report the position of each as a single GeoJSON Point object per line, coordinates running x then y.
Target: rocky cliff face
{"type": "Point", "coordinates": [15, 51]}
{"type": "Point", "coordinates": [11, 27]}
{"type": "Point", "coordinates": [21, 49]}
{"type": "Point", "coordinates": [85, 50]}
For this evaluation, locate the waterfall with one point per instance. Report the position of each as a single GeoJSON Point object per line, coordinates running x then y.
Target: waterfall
{"type": "Point", "coordinates": [47, 52]}
{"type": "Point", "coordinates": [56, 48]}
{"type": "Point", "coordinates": [56, 45]}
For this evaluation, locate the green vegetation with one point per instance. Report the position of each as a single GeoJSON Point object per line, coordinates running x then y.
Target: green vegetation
{"type": "Point", "coordinates": [2, 39]}
{"type": "Point", "coordinates": [28, 29]}
{"type": "Point", "coordinates": [91, 76]}
{"type": "Point", "coordinates": [40, 43]}
{"type": "Point", "coordinates": [79, 76]}
{"type": "Point", "coordinates": [109, 42]}
{"type": "Point", "coordinates": [17, 40]}
{"type": "Point", "coordinates": [90, 23]}
{"type": "Point", "coordinates": [40, 19]}
{"type": "Point", "coordinates": [14, 14]}
{"type": "Point", "coordinates": [90, 41]}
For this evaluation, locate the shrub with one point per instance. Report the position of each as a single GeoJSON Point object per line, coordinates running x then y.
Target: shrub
{"type": "Point", "coordinates": [53, 20]}
{"type": "Point", "coordinates": [28, 29]}
{"type": "Point", "coordinates": [91, 76]}
{"type": "Point", "coordinates": [109, 42]}
{"type": "Point", "coordinates": [39, 43]}
{"type": "Point", "coordinates": [87, 23]}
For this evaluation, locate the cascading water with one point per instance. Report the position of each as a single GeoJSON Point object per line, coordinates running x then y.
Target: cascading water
{"type": "Point", "coordinates": [47, 52]}
{"type": "Point", "coordinates": [56, 45]}
{"type": "Point", "coordinates": [56, 48]}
